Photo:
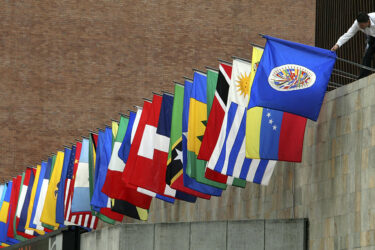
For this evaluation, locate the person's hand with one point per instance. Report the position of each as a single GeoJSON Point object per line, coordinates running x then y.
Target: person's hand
{"type": "Point", "coordinates": [335, 47]}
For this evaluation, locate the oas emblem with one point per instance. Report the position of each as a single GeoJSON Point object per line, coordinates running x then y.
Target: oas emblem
{"type": "Point", "coordinates": [291, 77]}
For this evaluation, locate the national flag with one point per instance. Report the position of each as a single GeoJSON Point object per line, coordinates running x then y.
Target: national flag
{"type": "Point", "coordinates": [129, 193]}
{"type": "Point", "coordinates": [228, 156]}
{"type": "Point", "coordinates": [24, 201]}
{"type": "Point", "coordinates": [116, 164]}
{"type": "Point", "coordinates": [81, 194]}
{"type": "Point", "coordinates": [188, 181]}
{"type": "Point", "coordinates": [174, 172]}
{"type": "Point", "coordinates": [49, 210]}
{"type": "Point", "coordinates": [43, 193]}
{"type": "Point", "coordinates": [84, 219]}
{"type": "Point", "coordinates": [212, 176]}
{"type": "Point", "coordinates": [145, 153]}
{"type": "Point", "coordinates": [68, 169]}
{"type": "Point", "coordinates": [216, 117]}
{"type": "Point", "coordinates": [100, 201]}
{"type": "Point", "coordinates": [28, 228]}
{"type": "Point", "coordinates": [272, 134]}
{"type": "Point", "coordinates": [215, 121]}
{"type": "Point", "coordinates": [19, 203]}
{"type": "Point", "coordinates": [39, 180]}
{"type": "Point", "coordinates": [13, 205]}
{"type": "Point", "coordinates": [4, 216]}
{"type": "Point", "coordinates": [11, 212]}
{"type": "Point", "coordinates": [153, 151]}
{"type": "Point", "coordinates": [61, 188]}
{"type": "Point", "coordinates": [115, 127]}
{"type": "Point", "coordinates": [292, 77]}
{"type": "Point", "coordinates": [196, 127]}
{"type": "Point", "coordinates": [130, 210]}
{"type": "Point", "coordinates": [93, 142]}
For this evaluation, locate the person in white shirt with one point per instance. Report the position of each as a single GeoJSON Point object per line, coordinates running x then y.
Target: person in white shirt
{"type": "Point", "coordinates": [365, 23]}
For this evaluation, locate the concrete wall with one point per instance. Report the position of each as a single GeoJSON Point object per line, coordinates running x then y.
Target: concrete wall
{"type": "Point", "coordinates": [256, 234]}
{"type": "Point", "coordinates": [333, 186]}
{"type": "Point", "coordinates": [69, 66]}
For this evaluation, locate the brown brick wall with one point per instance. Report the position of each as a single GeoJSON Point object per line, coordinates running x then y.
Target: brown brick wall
{"type": "Point", "coordinates": [70, 66]}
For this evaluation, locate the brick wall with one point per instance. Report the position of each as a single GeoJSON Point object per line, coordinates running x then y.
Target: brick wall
{"type": "Point", "coordinates": [70, 66]}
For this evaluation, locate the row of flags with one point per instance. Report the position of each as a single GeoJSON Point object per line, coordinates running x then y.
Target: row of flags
{"type": "Point", "coordinates": [223, 127]}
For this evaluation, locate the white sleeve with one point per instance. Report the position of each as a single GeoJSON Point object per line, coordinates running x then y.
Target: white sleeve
{"type": "Point", "coordinates": [349, 34]}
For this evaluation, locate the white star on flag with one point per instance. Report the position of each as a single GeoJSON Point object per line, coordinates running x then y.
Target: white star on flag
{"type": "Point", "coordinates": [268, 115]}
{"type": "Point", "coordinates": [274, 127]}
{"type": "Point", "coordinates": [179, 155]}
{"type": "Point", "coordinates": [270, 121]}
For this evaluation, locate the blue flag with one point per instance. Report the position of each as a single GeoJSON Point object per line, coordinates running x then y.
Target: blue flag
{"type": "Point", "coordinates": [292, 77]}
{"type": "Point", "coordinates": [37, 194]}
{"type": "Point", "coordinates": [124, 150]}
{"type": "Point", "coordinates": [68, 154]}
{"type": "Point", "coordinates": [103, 156]}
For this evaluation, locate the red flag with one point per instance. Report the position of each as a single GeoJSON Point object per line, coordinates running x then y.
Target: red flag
{"type": "Point", "coordinates": [215, 121]}
{"type": "Point", "coordinates": [13, 204]}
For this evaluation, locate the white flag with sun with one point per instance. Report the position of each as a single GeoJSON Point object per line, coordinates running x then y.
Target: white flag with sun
{"type": "Point", "coordinates": [239, 91]}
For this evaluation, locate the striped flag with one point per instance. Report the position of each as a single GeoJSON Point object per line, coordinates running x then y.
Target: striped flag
{"type": "Point", "coordinates": [42, 173]}
{"type": "Point", "coordinates": [49, 210]}
{"type": "Point", "coordinates": [24, 202]}
{"type": "Point", "coordinates": [81, 194]}
{"type": "Point", "coordinates": [61, 188]}
{"type": "Point", "coordinates": [100, 201]}
{"type": "Point", "coordinates": [214, 123]}
{"type": "Point", "coordinates": [116, 164]}
{"type": "Point", "coordinates": [84, 219]}
{"type": "Point", "coordinates": [228, 156]}
{"type": "Point", "coordinates": [4, 216]}
{"type": "Point", "coordinates": [42, 196]}
{"type": "Point", "coordinates": [29, 229]}
{"type": "Point", "coordinates": [13, 205]}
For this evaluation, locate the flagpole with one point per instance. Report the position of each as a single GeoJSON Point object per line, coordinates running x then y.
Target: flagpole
{"type": "Point", "coordinates": [187, 78]}
{"type": "Point", "coordinates": [178, 83]}
{"type": "Point", "coordinates": [347, 61]}
{"type": "Point", "coordinates": [156, 93]}
{"type": "Point", "coordinates": [168, 93]}
{"type": "Point", "coordinates": [223, 61]}
{"type": "Point", "coordinates": [240, 58]}
{"type": "Point", "coordinates": [121, 114]}
{"type": "Point", "coordinates": [207, 67]}
{"type": "Point", "coordinates": [199, 71]}
{"type": "Point", "coordinates": [149, 100]}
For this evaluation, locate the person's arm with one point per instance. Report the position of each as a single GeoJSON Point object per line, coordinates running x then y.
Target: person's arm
{"type": "Point", "coordinates": [349, 34]}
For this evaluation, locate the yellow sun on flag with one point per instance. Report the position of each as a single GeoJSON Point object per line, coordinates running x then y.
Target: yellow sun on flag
{"type": "Point", "coordinates": [244, 84]}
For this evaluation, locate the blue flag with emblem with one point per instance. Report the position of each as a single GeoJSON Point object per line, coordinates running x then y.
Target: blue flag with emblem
{"type": "Point", "coordinates": [292, 77]}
